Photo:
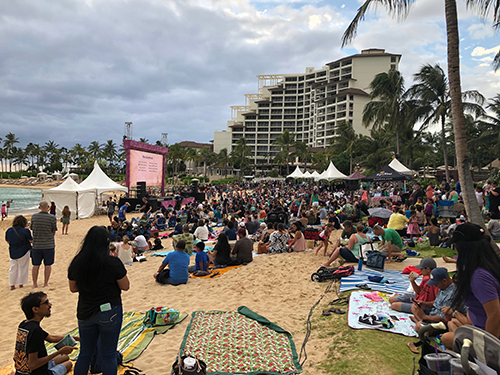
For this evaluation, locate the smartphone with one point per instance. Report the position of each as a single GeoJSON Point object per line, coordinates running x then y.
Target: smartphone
{"type": "Point", "coordinates": [415, 302]}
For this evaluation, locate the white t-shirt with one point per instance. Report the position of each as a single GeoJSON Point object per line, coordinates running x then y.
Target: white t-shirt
{"type": "Point", "coordinates": [202, 233]}
{"type": "Point", "coordinates": [140, 242]}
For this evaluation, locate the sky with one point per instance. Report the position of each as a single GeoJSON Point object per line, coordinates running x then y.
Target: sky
{"type": "Point", "coordinates": [74, 71]}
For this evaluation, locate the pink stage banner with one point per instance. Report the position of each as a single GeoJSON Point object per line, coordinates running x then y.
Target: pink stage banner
{"type": "Point", "coordinates": [166, 204]}
{"type": "Point", "coordinates": [187, 201]}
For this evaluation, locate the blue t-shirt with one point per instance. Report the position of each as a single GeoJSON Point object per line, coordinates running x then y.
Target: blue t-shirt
{"type": "Point", "coordinates": [178, 262]}
{"type": "Point", "coordinates": [201, 256]}
{"type": "Point", "coordinates": [121, 211]}
{"type": "Point", "coordinates": [18, 244]}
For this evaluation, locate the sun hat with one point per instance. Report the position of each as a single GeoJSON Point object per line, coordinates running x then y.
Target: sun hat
{"type": "Point", "coordinates": [467, 232]}
{"type": "Point", "coordinates": [427, 263]}
{"type": "Point", "coordinates": [437, 275]}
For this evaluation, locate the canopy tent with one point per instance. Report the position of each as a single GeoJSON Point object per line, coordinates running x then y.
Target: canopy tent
{"type": "Point", "coordinates": [307, 175]}
{"type": "Point", "coordinates": [315, 174]}
{"type": "Point", "coordinates": [386, 174]}
{"type": "Point", "coordinates": [81, 201]}
{"type": "Point", "coordinates": [99, 181]}
{"type": "Point", "coordinates": [356, 176]}
{"type": "Point", "coordinates": [332, 173]}
{"type": "Point", "coordinates": [399, 167]}
{"type": "Point", "coordinates": [297, 173]}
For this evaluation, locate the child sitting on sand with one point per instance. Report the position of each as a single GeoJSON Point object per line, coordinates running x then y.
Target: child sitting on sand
{"type": "Point", "coordinates": [157, 245]}
{"type": "Point", "coordinates": [201, 260]}
{"type": "Point", "coordinates": [112, 250]}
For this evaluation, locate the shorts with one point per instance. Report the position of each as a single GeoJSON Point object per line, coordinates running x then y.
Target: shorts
{"type": "Point", "coordinates": [348, 255]}
{"type": "Point", "coordinates": [315, 204]}
{"type": "Point", "coordinates": [406, 303]}
{"type": "Point", "coordinates": [46, 254]}
{"type": "Point", "coordinates": [56, 369]}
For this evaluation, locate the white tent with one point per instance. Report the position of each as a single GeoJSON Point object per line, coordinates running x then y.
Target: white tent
{"type": "Point", "coordinates": [315, 174]}
{"type": "Point", "coordinates": [332, 173]}
{"type": "Point", "coordinates": [307, 175]}
{"type": "Point", "coordinates": [399, 167]}
{"type": "Point", "coordinates": [81, 201]}
{"type": "Point", "coordinates": [100, 182]}
{"type": "Point", "coordinates": [297, 173]}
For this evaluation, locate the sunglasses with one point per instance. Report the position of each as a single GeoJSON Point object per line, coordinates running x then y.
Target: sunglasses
{"type": "Point", "coordinates": [46, 302]}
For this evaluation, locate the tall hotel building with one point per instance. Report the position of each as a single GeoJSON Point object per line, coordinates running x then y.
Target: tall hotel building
{"type": "Point", "coordinates": [308, 104]}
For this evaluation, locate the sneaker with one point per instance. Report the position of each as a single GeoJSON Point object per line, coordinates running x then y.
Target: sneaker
{"type": "Point", "coordinates": [370, 320]}
{"type": "Point", "coordinates": [412, 253]}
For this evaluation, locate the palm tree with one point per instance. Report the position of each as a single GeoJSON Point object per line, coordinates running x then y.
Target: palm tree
{"type": "Point", "coordinates": [285, 141]}
{"type": "Point", "coordinates": [176, 154]}
{"type": "Point", "coordinates": [52, 152]}
{"type": "Point", "coordinates": [110, 153]}
{"type": "Point", "coordinates": [144, 140]}
{"type": "Point", "coordinates": [433, 92]}
{"type": "Point", "coordinates": [388, 104]}
{"type": "Point", "coordinates": [224, 159]}
{"type": "Point", "coordinates": [79, 154]}
{"type": "Point", "coordinates": [303, 152]}
{"type": "Point", "coordinates": [241, 153]}
{"type": "Point", "coordinates": [95, 151]}
{"type": "Point", "coordinates": [401, 9]}
{"type": "Point", "coordinates": [9, 142]}
{"type": "Point", "coordinates": [345, 141]}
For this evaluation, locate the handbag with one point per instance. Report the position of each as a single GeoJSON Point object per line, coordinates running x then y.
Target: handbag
{"type": "Point", "coordinates": [160, 316]}
{"type": "Point", "coordinates": [261, 248]}
{"type": "Point", "coordinates": [199, 368]}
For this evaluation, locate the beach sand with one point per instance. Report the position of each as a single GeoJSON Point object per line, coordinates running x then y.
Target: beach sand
{"type": "Point", "coordinates": [275, 286]}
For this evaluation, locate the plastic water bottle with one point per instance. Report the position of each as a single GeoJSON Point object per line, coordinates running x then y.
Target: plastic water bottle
{"type": "Point", "coordinates": [360, 264]}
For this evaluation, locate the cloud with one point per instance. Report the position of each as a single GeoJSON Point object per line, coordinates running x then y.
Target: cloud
{"type": "Point", "coordinates": [481, 51]}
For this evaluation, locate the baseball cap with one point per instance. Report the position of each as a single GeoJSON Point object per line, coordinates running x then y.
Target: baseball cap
{"type": "Point", "coordinates": [241, 224]}
{"type": "Point", "coordinates": [127, 204]}
{"type": "Point", "coordinates": [427, 263]}
{"type": "Point", "coordinates": [437, 275]}
{"type": "Point", "coordinates": [467, 232]}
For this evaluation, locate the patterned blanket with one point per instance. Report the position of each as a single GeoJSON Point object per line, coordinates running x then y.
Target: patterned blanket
{"type": "Point", "coordinates": [241, 342]}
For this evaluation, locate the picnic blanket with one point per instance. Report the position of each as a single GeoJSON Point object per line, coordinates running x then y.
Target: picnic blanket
{"type": "Point", "coordinates": [241, 342]}
{"type": "Point", "coordinates": [134, 336]}
{"type": "Point", "coordinates": [400, 281]}
{"type": "Point", "coordinates": [360, 305]}
{"type": "Point", "coordinates": [216, 272]}
{"type": "Point", "coordinates": [8, 370]}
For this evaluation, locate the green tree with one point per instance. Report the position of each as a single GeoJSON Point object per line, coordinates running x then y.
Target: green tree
{"type": "Point", "coordinates": [94, 151]}
{"type": "Point", "coordinates": [176, 155]}
{"type": "Point", "coordinates": [303, 152]}
{"type": "Point", "coordinates": [224, 159]}
{"type": "Point", "coordinates": [110, 153]}
{"type": "Point", "coordinates": [285, 142]}
{"type": "Point", "coordinates": [241, 155]}
{"type": "Point", "coordinates": [9, 143]}
{"type": "Point", "coordinates": [345, 141]}
{"type": "Point", "coordinates": [79, 155]}
{"type": "Point", "coordinates": [401, 8]}
{"type": "Point", "coordinates": [432, 91]}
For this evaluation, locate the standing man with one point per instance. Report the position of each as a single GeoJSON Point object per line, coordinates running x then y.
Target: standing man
{"type": "Point", "coordinates": [110, 204]}
{"type": "Point", "coordinates": [44, 227]}
{"type": "Point", "coordinates": [122, 212]}
{"type": "Point", "coordinates": [30, 355]}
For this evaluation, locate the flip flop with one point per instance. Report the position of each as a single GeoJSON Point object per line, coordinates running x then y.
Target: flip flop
{"type": "Point", "coordinates": [412, 347]}
{"type": "Point", "coordinates": [363, 286]}
{"type": "Point", "coordinates": [215, 274]}
{"type": "Point", "coordinates": [339, 301]}
{"type": "Point", "coordinates": [326, 313]}
{"type": "Point", "coordinates": [337, 311]}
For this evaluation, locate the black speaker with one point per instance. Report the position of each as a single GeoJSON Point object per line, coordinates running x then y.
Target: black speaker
{"type": "Point", "coordinates": [141, 189]}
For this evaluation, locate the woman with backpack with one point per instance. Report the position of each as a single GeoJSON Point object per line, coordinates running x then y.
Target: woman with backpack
{"type": "Point", "coordinates": [98, 278]}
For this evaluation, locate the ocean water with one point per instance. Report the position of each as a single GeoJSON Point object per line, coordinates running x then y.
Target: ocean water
{"type": "Point", "coordinates": [25, 201]}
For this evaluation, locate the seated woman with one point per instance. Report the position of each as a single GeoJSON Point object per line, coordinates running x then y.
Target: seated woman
{"type": "Point", "coordinates": [299, 242]}
{"type": "Point", "coordinates": [478, 281]}
{"type": "Point", "coordinates": [220, 256]}
{"type": "Point", "coordinates": [433, 232]}
{"type": "Point", "coordinates": [125, 251]}
{"type": "Point", "coordinates": [278, 240]}
{"type": "Point", "coordinates": [350, 253]}
{"type": "Point", "coordinates": [201, 231]}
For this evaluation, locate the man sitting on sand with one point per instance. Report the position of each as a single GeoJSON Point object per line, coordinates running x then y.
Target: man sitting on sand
{"type": "Point", "coordinates": [243, 248]}
{"type": "Point", "coordinates": [30, 354]}
{"type": "Point", "coordinates": [178, 263]}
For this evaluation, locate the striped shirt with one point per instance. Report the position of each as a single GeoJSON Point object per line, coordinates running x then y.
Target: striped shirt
{"type": "Point", "coordinates": [43, 225]}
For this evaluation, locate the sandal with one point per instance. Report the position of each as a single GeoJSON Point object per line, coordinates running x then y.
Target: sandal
{"type": "Point", "coordinates": [326, 313]}
{"type": "Point", "coordinates": [401, 259]}
{"type": "Point", "coordinates": [337, 311]}
{"type": "Point", "coordinates": [340, 301]}
{"type": "Point", "coordinates": [412, 347]}
{"type": "Point", "coordinates": [363, 286]}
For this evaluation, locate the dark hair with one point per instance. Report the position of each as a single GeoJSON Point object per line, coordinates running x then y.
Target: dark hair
{"type": "Point", "coordinates": [242, 232]}
{"type": "Point", "coordinates": [181, 245]}
{"type": "Point", "coordinates": [434, 221]}
{"type": "Point", "coordinates": [88, 266]}
{"type": "Point", "coordinates": [200, 245]}
{"type": "Point", "coordinates": [347, 223]}
{"type": "Point", "coordinates": [20, 221]}
{"type": "Point", "coordinates": [230, 225]}
{"type": "Point", "coordinates": [471, 256]}
{"type": "Point", "coordinates": [30, 301]}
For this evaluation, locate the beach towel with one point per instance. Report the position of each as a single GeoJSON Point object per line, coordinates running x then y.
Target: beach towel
{"type": "Point", "coordinates": [7, 370]}
{"type": "Point", "coordinates": [240, 342]}
{"type": "Point", "coordinates": [399, 283]}
{"type": "Point", "coordinates": [216, 272]}
{"type": "Point", "coordinates": [134, 336]}
{"type": "Point", "coordinates": [360, 305]}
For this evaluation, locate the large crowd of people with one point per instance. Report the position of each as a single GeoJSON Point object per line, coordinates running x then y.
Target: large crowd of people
{"type": "Point", "coordinates": [272, 218]}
